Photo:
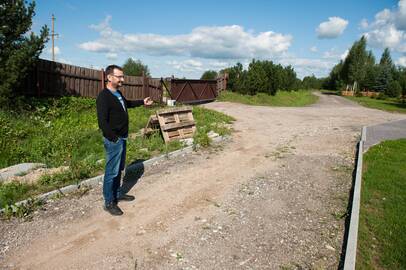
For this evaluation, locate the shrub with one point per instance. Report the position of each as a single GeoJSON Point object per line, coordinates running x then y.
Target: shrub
{"type": "Point", "coordinates": [394, 89]}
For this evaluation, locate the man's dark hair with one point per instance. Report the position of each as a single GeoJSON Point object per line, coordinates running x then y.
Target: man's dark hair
{"type": "Point", "coordinates": [110, 69]}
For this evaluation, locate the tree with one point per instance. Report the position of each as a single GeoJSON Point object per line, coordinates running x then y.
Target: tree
{"type": "Point", "coordinates": [256, 80]}
{"type": "Point", "coordinates": [356, 62]}
{"type": "Point", "coordinates": [366, 82]}
{"type": "Point", "coordinates": [19, 50]}
{"type": "Point", "coordinates": [394, 89]}
{"type": "Point", "coordinates": [387, 63]}
{"type": "Point", "coordinates": [133, 67]}
{"type": "Point", "coordinates": [370, 79]}
{"type": "Point", "coordinates": [383, 78]}
{"type": "Point", "coordinates": [334, 80]}
{"type": "Point", "coordinates": [261, 76]}
{"type": "Point", "coordinates": [385, 74]}
{"type": "Point", "coordinates": [209, 75]}
{"type": "Point", "coordinates": [289, 79]}
{"type": "Point", "coordinates": [402, 82]}
{"type": "Point", "coordinates": [386, 59]}
{"type": "Point", "coordinates": [311, 82]}
{"type": "Point", "coordinates": [234, 74]}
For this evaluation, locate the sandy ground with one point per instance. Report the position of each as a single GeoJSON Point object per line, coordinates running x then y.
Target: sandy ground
{"type": "Point", "coordinates": [274, 196]}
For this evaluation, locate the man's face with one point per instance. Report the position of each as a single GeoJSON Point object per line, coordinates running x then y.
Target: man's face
{"type": "Point", "coordinates": [117, 78]}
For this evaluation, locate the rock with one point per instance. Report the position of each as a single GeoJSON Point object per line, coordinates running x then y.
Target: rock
{"type": "Point", "coordinates": [19, 169]}
{"type": "Point", "coordinates": [187, 142]}
{"type": "Point", "coordinates": [212, 134]}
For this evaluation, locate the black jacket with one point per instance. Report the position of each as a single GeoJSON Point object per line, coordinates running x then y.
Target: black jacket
{"type": "Point", "coordinates": [112, 118]}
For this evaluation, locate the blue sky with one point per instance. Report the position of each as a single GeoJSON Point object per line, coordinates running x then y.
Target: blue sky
{"type": "Point", "coordinates": [185, 38]}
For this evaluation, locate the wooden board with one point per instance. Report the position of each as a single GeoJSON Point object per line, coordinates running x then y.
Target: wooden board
{"type": "Point", "coordinates": [152, 125]}
{"type": "Point", "coordinates": [176, 123]}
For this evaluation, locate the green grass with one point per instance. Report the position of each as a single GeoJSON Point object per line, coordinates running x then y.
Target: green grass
{"type": "Point", "coordinates": [282, 98]}
{"type": "Point", "coordinates": [382, 227]}
{"type": "Point", "coordinates": [389, 104]}
{"type": "Point", "coordinates": [64, 132]}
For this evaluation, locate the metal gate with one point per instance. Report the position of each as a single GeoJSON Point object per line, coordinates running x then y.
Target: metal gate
{"type": "Point", "coordinates": [193, 91]}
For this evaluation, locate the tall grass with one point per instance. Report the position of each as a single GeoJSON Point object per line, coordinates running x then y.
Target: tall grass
{"type": "Point", "coordinates": [388, 104]}
{"type": "Point", "coordinates": [64, 132]}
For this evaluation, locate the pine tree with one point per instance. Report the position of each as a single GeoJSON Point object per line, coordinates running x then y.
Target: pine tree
{"type": "Point", "coordinates": [385, 74]}
{"type": "Point", "coordinates": [356, 62]}
{"type": "Point", "coordinates": [18, 49]}
{"type": "Point", "coordinates": [382, 79]}
{"type": "Point", "coordinates": [386, 59]}
{"type": "Point", "coordinates": [334, 80]}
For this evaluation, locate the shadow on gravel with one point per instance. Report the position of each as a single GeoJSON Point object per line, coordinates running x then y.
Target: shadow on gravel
{"type": "Point", "coordinates": [348, 215]}
{"type": "Point", "coordinates": [133, 173]}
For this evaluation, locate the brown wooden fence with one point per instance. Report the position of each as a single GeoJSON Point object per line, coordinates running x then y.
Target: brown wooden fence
{"type": "Point", "coordinates": [363, 93]}
{"type": "Point", "coordinates": [222, 82]}
{"type": "Point", "coordinates": [57, 79]}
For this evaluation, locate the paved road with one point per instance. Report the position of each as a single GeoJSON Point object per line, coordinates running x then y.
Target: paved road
{"type": "Point", "coordinates": [387, 131]}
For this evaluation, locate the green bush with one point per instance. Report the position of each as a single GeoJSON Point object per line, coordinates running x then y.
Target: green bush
{"type": "Point", "coordinates": [382, 96]}
{"type": "Point", "coordinates": [394, 89]}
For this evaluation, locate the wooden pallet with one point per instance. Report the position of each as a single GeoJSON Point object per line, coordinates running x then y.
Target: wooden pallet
{"type": "Point", "coordinates": [176, 123]}
{"type": "Point", "coordinates": [152, 126]}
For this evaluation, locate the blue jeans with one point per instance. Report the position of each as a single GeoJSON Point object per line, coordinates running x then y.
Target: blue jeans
{"type": "Point", "coordinates": [115, 163]}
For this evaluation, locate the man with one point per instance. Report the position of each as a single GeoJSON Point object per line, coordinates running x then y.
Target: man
{"type": "Point", "coordinates": [112, 117]}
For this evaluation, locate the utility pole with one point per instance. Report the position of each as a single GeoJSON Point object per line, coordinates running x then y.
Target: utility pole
{"type": "Point", "coordinates": [53, 35]}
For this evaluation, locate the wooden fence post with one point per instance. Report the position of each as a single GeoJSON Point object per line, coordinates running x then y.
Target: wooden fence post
{"type": "Point", "coordinates": [145, 86]}
{"type": "Point", "coordinates": [37, 80]}
{"type": "Point", "coordinates": [103, 79]}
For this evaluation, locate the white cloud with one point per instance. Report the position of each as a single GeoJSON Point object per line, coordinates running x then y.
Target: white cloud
{"type": "Point", "coordinates": [385, 36]}
{"type": "Point", "coordinates": [210, 42]}
{"type": "Point", "coordinates": [331, 54]}
{"type": "Point", "coordinates": [364, 24]}
{"type": "Point", "coordinates": [388, 29]}
{"type": "Point", "coordinates": [332, 28]}
{"type": "Point", "coordinates": [334, 54]}
{"type": "Point", "coordinates": [313, 49]}
{"type": "Point", "coordinates": [344, 55]}
{"type": "Point", "coordinates": [111, 56]}
{"type": "Point", "coordinates": [401, 15]}
{"type": "Point", "coordinates": [307, 66]}
{"type": "Point", "coordinates": [401, 61]}
{"type": "Point", "coordinates": [187, 65]}
{"type": "Point", "coordinates": [57, 51]}
{"type": "Point", "coordinates": [383, 17]}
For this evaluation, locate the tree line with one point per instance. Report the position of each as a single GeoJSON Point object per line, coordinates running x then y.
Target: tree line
{"type": "Point", "coordinates": [260, 77]}
{"type": "Point", "coordinates": [360, 71]}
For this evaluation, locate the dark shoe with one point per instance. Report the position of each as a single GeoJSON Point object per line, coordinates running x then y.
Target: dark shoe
{"type": "Point", "coordinates": [113, 209]}
{"type": "Point", "coordinates": [126, 197]}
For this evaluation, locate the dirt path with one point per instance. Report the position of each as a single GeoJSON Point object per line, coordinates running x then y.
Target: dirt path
{"type": "Point", "coordinates": [273, 197]}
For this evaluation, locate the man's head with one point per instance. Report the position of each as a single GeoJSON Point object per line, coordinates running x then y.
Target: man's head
{"type": "Point", "coordinates": [115, 76]}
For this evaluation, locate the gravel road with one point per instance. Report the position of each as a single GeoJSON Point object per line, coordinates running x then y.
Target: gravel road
{"type": "Point", "coordinates": [273, 196]}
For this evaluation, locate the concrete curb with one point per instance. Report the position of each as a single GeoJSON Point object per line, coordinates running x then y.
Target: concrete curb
{"type": "Point", "coordinates": [97, 180]}
{"type": "Point", "coordinates": [351, 249]}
